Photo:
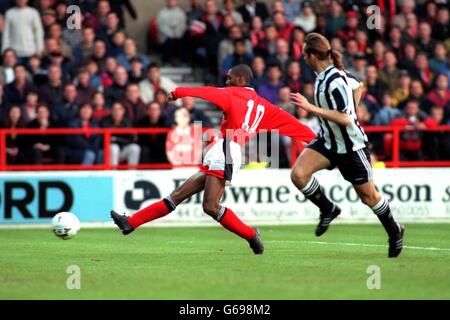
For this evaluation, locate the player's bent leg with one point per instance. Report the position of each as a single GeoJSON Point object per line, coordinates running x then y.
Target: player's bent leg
{"type": "Point", "coordinates": [214, 189]}
{"type": "Point", "coordinates": [161, 208]}
{"type": "Point", "coordinates": [309, 162]}
{"type": "Point", "coordinates": [380, 206]}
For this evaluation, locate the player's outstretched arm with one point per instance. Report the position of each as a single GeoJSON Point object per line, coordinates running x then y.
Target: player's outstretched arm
{"type": "Point", "coordinates": [338, 117]}
{"type": "Point", "coordinates": [217, 96]}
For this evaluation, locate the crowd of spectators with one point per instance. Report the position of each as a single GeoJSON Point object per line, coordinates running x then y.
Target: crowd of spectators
{"type": "Point", "coordinates": [55, 75]}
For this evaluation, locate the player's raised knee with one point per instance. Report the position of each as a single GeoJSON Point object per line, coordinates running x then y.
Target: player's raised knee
{"type": "Point", "coordinates": [299, 177]}
{"type": "Point", "coordinates": [211, 209]}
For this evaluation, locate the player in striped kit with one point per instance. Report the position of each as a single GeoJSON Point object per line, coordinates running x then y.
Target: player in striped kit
{"type": "Point", "coordinates": [341, 143]}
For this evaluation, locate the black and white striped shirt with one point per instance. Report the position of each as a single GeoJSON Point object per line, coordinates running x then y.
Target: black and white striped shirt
{"type": "Point", "coordinates": [334, 91]}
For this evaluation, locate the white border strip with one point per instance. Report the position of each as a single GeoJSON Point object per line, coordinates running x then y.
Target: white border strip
{"type": "Point", "coordinates": [351, 244]}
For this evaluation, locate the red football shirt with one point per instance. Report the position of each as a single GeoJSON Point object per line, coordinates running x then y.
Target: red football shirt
{"type": "Point", "coordinates": [246, 113]}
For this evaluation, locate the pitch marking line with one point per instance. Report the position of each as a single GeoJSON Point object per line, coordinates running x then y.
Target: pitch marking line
{"type": "Point", "coordinates": [360, 245]}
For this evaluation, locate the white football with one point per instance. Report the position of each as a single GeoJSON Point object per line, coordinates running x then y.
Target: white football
{"type": "Point", "coordinates": [65, 225]}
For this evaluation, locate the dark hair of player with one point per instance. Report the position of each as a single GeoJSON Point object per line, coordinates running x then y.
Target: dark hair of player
{"type": "Point", "coordinates": [318, 45]}
{"type": "Point", "coordinates": [243, 71]}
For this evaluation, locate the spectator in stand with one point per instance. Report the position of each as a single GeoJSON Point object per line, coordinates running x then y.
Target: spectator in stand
{"type": "Point", "coordinates": [410, 140]}
{"type": "Point", "coordinates": [401, 93]}
{"type": "Point", "coordinates": [123, 146]}
{"type": "Point", "coordinates": [15, 144]}
{"type": "Point", "coordinates": [44, 146]}
{"type": "Point", "coordinates": [227, 45]}
{"type": "Point", "coordinates": [259, 72]}
{"type": "Point", "coordinates": [172, 24]}
{"type": "Point", "coordinates": [360, 65]}
{"type": "Point", "coordinates": [195, 11]}
{"type": "Point", "coordinates": [416, 92]}
{"type": "Point", "coordinates": [107, 76]}
{"type": "Point", "coordinates": [86, 48]}
{"type": "Point", "coordinates": [308, 91]}
{"type": "Point", "coordinates": [111, 27]}
{"type": "Point", "coordinates": [363, 115]}
{"type": "Point", "coordinates": [84, 148]}
{"type": "Point", "coordinates": [55, 32]}
{"type": "Point", "coordinates": [48, 18]}
{"type": "Point", "coordinates": [229, 8]}
{"type": "Point", "coordinates": [436, 145]}
{"type": "Point", "coordinates": [101, 111]}
{"type": "Point", "coordinates": [377, 58]}
{"type": "Point", "coordinates": [257, 36]}
{"type": "Point", "coordinates": [422, 70]}
{"type": "Point", "coordinates": [251, 8]}
{"type": "Point", "coordinates": [153, 82]}
{"type": "Point", "coordinates": [351, 49]}
{"type": "Point", "coordinates": [439, 96]}
{"type": "Point", "coordinates": [133, 104]}
{"type": "Point", "coordinates": [292, 9]}
{"type": "Point", "coordinates": [130, 53]}
{"type": "Point", "coordinates": [294, 77]}
{"type": "Point", "coordinates": [212, 20]}
{"type": "Point", "coordinates": [390, 74]}
{"type": "Point", "coordinates": [284, 102]}
{"type": "Point", "coordinates": [396, 41]}
{"type": "Point", "coordinates": [183, 143]}
{"type": "Point", "coordinates": [98, 20]}
{"type": "Point", "coordinates": [167, 108]}
{"type": "Point", "coordinates": [52, 92]}
{"type": "Point", "coordinates": [270, 44]}
{"type": "Point", "coordinates": [296, 43]}
{"type": "Point", "coordinates": [335, 18]}
{"type": "Point", "coordinates": [348, 31]}
{"type": "Point", "coordinates": [269, 89]}
{"type": "Point", "coordinates": [307, 19]}
{"type": "Point", "coordinates": [441, 28]}
{"type": "Point", "coordinates": [37, 72]}
{"type": "Point", "coordinates": [9, 60]}
{"type": "Point", "coordinates": [116, 48]}
{"type": "Point", "coordinates": [116, 92]}
{"type": "Point", "coordinates": [152, 145]}
{"type": "Point", "coordinates": [240, 55]}
{"type": "Point", "coordinates": [195, 114]}
{"type": "Point", "coordinates": [29, 109]}
{"type": "Point", "coordinates": [375, 86]}
{"type": "Point", "coordinates": [136, 73]}
{"type": "Point", "coordinates": [283, 26]}
{"type": "Point", "coordinates": [119, 6]}
{"type": "Point", "coordinates": [387, 113]}
{"type": "Point", "coordinates": [16, 91]}
{"type": "Point", "coordinates": [407, 61]}
{"type": "Point", "coordinates": [85, 91]}
{"type": "Point", "coordinates": [67, 110]}
{"type": "Point", "coordinates": [424, 42]}
{"type": "Point", "coordinates": [407, 8]}
{"type": "Point", "coordinates": [23, 31]}
{"type": "Point", "coordinates": [100, 53]}
{"type": "Point", "coordinates": [281, 56]}
{"type": "Point", "coordinates": [94, 72]}
{"type": "Point", "coordinates": [438, 63]}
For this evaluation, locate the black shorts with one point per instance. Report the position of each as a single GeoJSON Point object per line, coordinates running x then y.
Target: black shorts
{"type": "Point", "coordinates": [355, 167]}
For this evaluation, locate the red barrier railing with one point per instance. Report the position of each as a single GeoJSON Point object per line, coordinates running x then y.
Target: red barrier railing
{"type": "Point", "coordinates": [107, 133]}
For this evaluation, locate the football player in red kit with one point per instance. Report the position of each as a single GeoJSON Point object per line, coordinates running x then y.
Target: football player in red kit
{"type": "Point", "coordinates": [246, 114]}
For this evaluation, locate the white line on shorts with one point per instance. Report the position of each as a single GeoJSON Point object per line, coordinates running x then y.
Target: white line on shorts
{"type": "Point", "coordinates": [351, 244]}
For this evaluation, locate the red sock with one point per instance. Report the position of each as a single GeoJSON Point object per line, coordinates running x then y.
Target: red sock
{"type": "Point", "coordinates": [157, 210]}
{"type": "Point", "coordinates": [232, 223]}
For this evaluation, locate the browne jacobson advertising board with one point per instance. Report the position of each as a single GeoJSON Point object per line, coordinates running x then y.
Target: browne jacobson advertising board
{"type": "Point", "coordinates": [258, 196]}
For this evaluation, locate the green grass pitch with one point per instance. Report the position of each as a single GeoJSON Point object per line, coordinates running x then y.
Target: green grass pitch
{"type": "Point", "coordinates": [211, 263]}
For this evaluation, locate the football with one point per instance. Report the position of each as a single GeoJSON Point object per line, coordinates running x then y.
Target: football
{"type": "Point", "coordinates": [65, 225]}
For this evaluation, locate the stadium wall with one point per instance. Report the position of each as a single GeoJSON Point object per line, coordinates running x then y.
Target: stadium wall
{"type": "Point", "coordinates": [259, 197]}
